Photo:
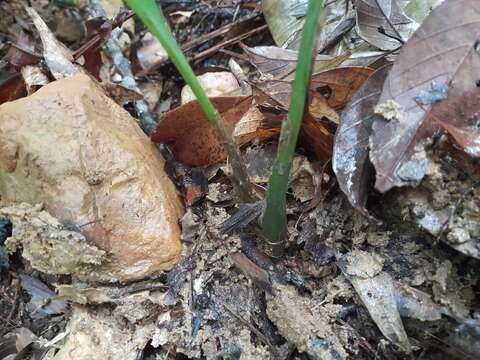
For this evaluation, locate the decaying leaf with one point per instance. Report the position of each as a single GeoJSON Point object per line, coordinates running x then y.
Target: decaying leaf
{"type": "Point", "coordinates": [441, 58]}
{"type": "Point", "coordinates": [350, 151]}
{"type": "Point", "coordinates": [375, 19]}
{"type": "Point", "coordinates": [253, 125]}
{"type": "Point", "coordinates": [281, 63]}
{"type": "Point", "coordinates": [192, 138]}
{"type": "Point", "coordinates": [58, 57]}
{"type": "Point", "coordinates": [375, 288]}
{"type": "Point", "coordinates": [340, 84]}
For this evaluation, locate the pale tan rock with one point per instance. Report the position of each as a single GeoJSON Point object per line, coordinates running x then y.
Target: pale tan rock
{"type": "Point", "coordinates": [73, 149]}
{"type": "Point", "coordinates": [214, 84]}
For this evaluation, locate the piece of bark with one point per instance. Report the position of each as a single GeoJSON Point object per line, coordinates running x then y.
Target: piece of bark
{"type": "Point", "coordinates": [83, 156]}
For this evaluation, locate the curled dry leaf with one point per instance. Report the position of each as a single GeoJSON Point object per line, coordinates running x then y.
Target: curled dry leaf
{"type": "Point", "coordinates": [442, 56]}
{"type": "Point", "coordinates": [336, 86]}
{"type": "Point", "coordinates": [193, 141]}
{"type": "Point", "coordinates": [383, 23]}
{"type": "Point", "coordinates": [350, 152]}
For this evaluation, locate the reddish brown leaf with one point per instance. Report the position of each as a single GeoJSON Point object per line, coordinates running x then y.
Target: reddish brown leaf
{"type": "Point", "coordinates": [191, 137]}
{"type": "Point", "coordinates": [315, 135]}
{"type": "Point", "coordinates": [12, 88]}
{"type": "Point", "coordinates": [18, 57]}
{"type": "Point", "coordinates": [193, 141]}
{"type": "Point", "coordinates": [350, 152]}
{"type": "Point", "coordinates": [442, 56]}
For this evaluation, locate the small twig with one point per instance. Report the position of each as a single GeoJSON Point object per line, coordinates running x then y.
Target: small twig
{"type": "Point", "coordinates": [400, 39]}
{"type": "Point", "coordinates": [214, 49]}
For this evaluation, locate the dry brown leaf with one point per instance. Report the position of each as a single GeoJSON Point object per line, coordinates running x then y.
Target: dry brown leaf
{"type": "Point", "coordinates": [190, 136]}
{"type": "Point", "coordinates": [281, 63]}
{"type": "Point", "coordinates": [340, 84]}
{"type": "Point", "coordinates": [441, 58]}
{"type": "Point", "coordinates": [12, 87]}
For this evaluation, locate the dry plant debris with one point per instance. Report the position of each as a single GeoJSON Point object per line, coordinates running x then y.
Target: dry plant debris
{"type": "Point", "coordinates": [100, 254]}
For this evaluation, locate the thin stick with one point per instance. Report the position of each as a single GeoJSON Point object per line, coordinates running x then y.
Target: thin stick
{"type": "Point", "coordinates": [274, 222]}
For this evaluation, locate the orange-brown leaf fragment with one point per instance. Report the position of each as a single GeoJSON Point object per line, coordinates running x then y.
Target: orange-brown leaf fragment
{"type": "Point", "coordinates": [191, 137]}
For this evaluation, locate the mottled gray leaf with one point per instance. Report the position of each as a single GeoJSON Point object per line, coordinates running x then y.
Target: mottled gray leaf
{"type": "Point", "coordinates": [350, 152]}
{"type": "Point", "coordinates": [442, 53]}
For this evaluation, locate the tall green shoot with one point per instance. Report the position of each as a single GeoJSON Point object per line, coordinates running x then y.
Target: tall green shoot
{"type": "Point", "coordinates": [274, 220]}
{"type": "Point", "coordinates": [152, 17]}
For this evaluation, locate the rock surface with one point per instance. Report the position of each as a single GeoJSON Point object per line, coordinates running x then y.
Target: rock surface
{"type": "Point", "coordinates": [214, 84]}
{"type": "Point", "coordinates": [73, 149]}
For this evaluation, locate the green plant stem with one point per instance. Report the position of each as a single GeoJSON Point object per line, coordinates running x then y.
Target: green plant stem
{"type": "Point", "coordinates": [274, 220]}
{"type": "Point", "coordinates": [153, 18]}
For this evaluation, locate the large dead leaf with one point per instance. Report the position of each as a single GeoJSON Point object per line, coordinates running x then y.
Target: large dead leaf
{"type": "Point", "coordinates": [380, 22]}
{"type": "Point", "coordinates": [441, 57]}
{"type": "Point", "coordinates": [281, 63]}
{"type": "Point", "coordinates": [340, 84]}
{"type": "Point", "coordinates": [193, 141]}
{"type": "Point", "coordinates": [350, 152]}
{"type": "Point", "coordinates": [337, 86]}
{"type": "Point", "coordinates": [191, 137]}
